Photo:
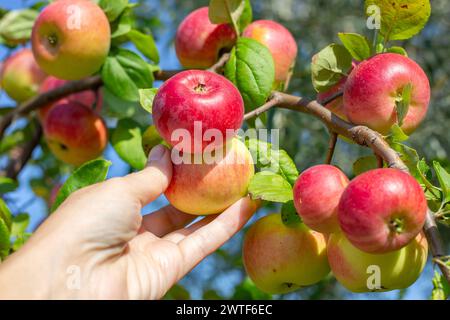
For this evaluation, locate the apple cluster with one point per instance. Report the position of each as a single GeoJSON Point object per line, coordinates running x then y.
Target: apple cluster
{"type": "Point", "coordinates": [367, 231]}
{"type": "Point", "coordinates": [73, 127]}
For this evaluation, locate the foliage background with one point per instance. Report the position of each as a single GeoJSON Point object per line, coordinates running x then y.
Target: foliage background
{"type": "Point", "coordinates": [314, 23]}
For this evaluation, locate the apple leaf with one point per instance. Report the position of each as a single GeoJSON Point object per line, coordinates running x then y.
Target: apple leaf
{"type": "Point", "coordinates": [270, 186]}
{"type": "Point", "coordinates": [441, 288]}
{"type": "Point", "coordinates": [251, 69]}
{"type": "Point", "coordinates": [397, 134]}
{"type": "Point", "coordinates": [356, 44]}
{"type": "Point", "coordinates": [121, 27]}
{"type": "Point", "coordinates": [150, 139]}
{"type": "Point", "coordinates": [364, 164]}
{"type": "Point", "coordinates": [113, 8]}
{"type": "Point", "coordinates": [7, 185]}
{"type": "Point", "coordinates": [444, 181]}
{"type": "Point", "coordinates": [329, 66]}
{"type": "Point", "coordinates": [125, 73]}
{"type": "Point", "coordinates": [117, 107]}
{"type": "Point", "coordinates": [145, 44]}
{"type": "Point", "coordinates": [5, 244]}
{"type": "Point", "coordinates": [226, 11]}
{"type": "Point", "coordinates": [20, 240]}
{"type": "Point", "coordinates": [409, 156]}
{"type": "Point", "coordinates": [402, 103]}
{"type": "Point", "coordinates": [246, 16]}
{"type": "Point", "coordinates": [398, 50]}
{"type": "Point", "coordinates": [289, 214]}
{"type": "Point", "coordinates": [127, 141]}
{"type": "Point", "coordinates": [146, 98]}
{"type": "Point", "coordinates": [20, 223]}
{"type": "Point", "coordinates": [17, 137]}
{"type": "Point", "coordinates": [432, 193]}
{"type": "Point", "coordinates": [16, 25]}
{"type": "Point", "coordinates": [5, 214]}
{"type": "Point", "coordinates": [89, 173]}
{"type": "Point", "coordinates": [401, 19]}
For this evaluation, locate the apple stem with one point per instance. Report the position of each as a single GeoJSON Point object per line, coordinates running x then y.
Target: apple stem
{"type": "Point", "coordinates": [331, 147]}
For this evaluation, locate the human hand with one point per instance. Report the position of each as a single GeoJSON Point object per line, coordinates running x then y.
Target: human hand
{"type": "Point", "coordinates": [98, 246]}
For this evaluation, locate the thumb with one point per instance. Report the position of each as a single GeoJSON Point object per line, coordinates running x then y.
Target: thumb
{"type": "Point", "coordinates": [151, 182]}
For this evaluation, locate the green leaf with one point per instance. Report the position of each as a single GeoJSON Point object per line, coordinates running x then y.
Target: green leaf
{"type": "Point", "coordinates": [20, 241]}
{"type": "Point", "coordinates": [125, 73]}
{"type": "Point", "coordinates": [17, 137]}
{"type": "Point", "coordinates": [177, 292]}
{"type": "Point", "coordinates": [409, 156]}
{"type": "Point", "coordinates": [287, 167]}
{"type": "Point", "coordinates": [89, 173]}
{"type": "Point", "coordinates": [397, 134]}
{"type": "Point", "coordinates": [246, 16]}
{"type": "Point", "coordinates": [146, 97]}
{"type": "Point", "coordinates": [289, 214]}
{"type": "Point", "coordinates": [364, 164]}
{"type": "Point", "coordinates": [401, 19]}
{"type": "Point", "coordinates": [122, 26]}
{"type": "Point", "coordinates": [16, 25]}
{"type": "Point", "coordinates": [5, 214]}
{"type": "Point", "coordinates": [251, 69]}
{"type": "Point", "coordinates": [441, 288]}
{"type": "Point", "coordinates": [5, 244]}
{"type": "Point", "coordinates": [7, 185]}
{"type": "Point", "coordinates": [270, 186]}
{"type": "Point", "coordinates": [117, 107]}
{"type": "Point", "coordinates": [356, 44]}
{"type": "Point", "coordinates": [127, 141]}
{"type": "Point", "coordinates": [113, 8]}
{"type": "Point", "coordinates": [145, 44]}
{"type": "Point", "coordinates": [398, 50]}
{"type": "Point", "coordinates": [226, 11]}
{"type": "Point", "coordinates": [150, 139]}
{"type": "Point", "coordinates": [329, 66]}
{"type": "Point", "coordinates": [20, 223]}
{"type": "Point", "coordinates": [247, 290]}
{"type": "Point", "coordinates": [402, 103]}
{"type": "Point", "coordinates": [444, 181]}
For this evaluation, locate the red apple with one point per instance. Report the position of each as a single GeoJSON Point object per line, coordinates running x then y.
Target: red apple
{"type": "Point", "coordinates": [317, 192]}
{"type": "Point", "coordinates": [193, 103]}
{"type": "Point", "coordinates": [88, 98]}
{"type": "Point", "coordinates": [382, 210]}
{"type": "Point", "coordinates": [280, 43]}
{"type": "Point", "coordinates": [373, 87]}
{"type": "Point", "coordinates": [71, 39]}
{"type": "Point", "coordinates": [359, 271]}
{"type": "Point", "coordinates": [21, 76]}
{"type": "Point", "coordinates": [281, 259]}
{"type": "Point", "coordinates": [199, 42]}
{"type": "Point", "coordinates": [202, 187]}
{"type": "Point", "coordinates": [75, 133]}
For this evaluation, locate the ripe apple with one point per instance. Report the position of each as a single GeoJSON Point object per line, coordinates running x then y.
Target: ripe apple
{"type": "Point", "coordinates": [194, 103]}
{"type": "Point", "coordinates": [75, 133]}
{"type": "Point", "coordinates": [374, 86]}
{"type": "Point", "coordinates": [382, 210]}
{"type": "Point", "coordinates": [199, 42]}
{"type": "Point", "coordinates": [21, 76]}
{"type": "Point", "coordinates": [357, 270]}
{"type": "Point", "coordinates": [202, 187]}
{"type": "Point", "coordinates": [281, 259]}
{"type": "Point", "coordinates": [88, 98]}
{"type": "Point", "coordinates": [71, 39]}
{"type": "Point", "coordinates": [280, 43]}
{"type": "Point", "coordinates": [317, 192]}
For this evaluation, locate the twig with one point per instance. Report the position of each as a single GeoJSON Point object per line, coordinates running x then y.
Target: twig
{"type": "Point", "coordinates": [331, 98]}
{"type": "Point", "coordinates": [331, 147]}
{"type": "Point", "coordinates": [22, 154]}
{"type": "Point", "coordinates": [365, 137]}
{"type": "Point", "coordinates": [220, 63]}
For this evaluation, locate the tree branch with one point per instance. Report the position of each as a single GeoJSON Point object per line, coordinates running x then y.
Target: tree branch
{"type": "Point", "coordinates": [220, 63]}
{"type": "Point", "coordinates": [364, 137]}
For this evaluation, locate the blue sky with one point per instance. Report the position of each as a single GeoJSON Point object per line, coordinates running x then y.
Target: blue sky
{"type": "Point", "coordinates": [25, 200]}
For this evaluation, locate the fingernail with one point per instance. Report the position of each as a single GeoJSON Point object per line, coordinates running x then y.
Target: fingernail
{"type": "Point", "coordinates": [156, 153]}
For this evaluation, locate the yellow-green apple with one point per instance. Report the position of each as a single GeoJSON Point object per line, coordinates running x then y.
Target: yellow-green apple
{"type": "Point", "coordinates": [280, 43]}
{"type": "Point", "coordinates": [199, 43]}
{"type": "Point", "coordinates": [374, 87]}
{"type": "Point", "coordinates": [196, 109]}
{"type": "Point", "coordinates": [317, 192]}
{"type": "Point", "coordinates": [281, 259]}
{"type": "Point", "coordinates": [359, 271]}
{"type": "Point", "coordinates": [382, 210]}
{"type": "Point", "coordinates": [75, 133]}
{"type": "Point", "coordinates": [89, 98]}
{"type": "Point", "coordinates": [71, 39]}
{"type": "Point", "coordinates": [207, 184]}
{"type": "Point", "coordinates": [21, 76]}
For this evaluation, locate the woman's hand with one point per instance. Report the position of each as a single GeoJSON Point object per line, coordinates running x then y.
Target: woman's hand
{"type": "Point", "coordinates": [98, 246]}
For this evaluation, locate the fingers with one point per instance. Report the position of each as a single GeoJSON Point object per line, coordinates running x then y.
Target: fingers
{"type": "Point", "coordinates": [165, 220]}
{"type": "Point", "coordinates": [178, 235]}
{"type": "Point", "coordinates": [150, 183]}
{"type": "Point", "coordinates": [205, 240]}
